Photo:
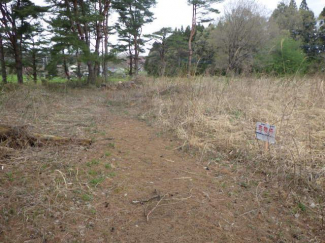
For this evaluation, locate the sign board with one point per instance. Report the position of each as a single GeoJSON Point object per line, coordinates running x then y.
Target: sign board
{"type": "Point", "coordinates": [265, 132]}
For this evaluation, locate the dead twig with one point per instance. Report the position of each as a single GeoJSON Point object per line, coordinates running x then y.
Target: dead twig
{"type": "Point", "coordinates": [65, 182]}
{"type": "Point", "coordinates": [155, 206]}
{"type": "Point", "coordinates": [146, 200]}
{"type": "Point", "coordinates": [183, 178]}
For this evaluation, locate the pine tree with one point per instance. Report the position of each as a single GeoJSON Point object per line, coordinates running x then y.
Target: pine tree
{"type": "Point", "coordinates": [304, 6]}
{"type": "Point", "coordinates": [206, 6]}
{"type": "Point", "coordinates": [79, 25]}
{"type": "Point", "coordinates": [308, 24]}
{"type": "Point", "coordinates": [133, 15]}
{"type": "Point", "coordinates": [162, 46]}
{"type": "Point", "coordinates": [33, 47]}
{"type": "Point", "coordinates": [174, 51]}
{"type": "Point", "coordinates": [287, 17]}
{"type": "Point", "coordinates": [16, 22]}
{"type": "Point", "coordinates": [293, 4]}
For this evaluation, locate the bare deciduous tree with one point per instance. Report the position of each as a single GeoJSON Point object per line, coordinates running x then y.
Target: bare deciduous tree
{"type": "Point", "coordinates": [238, 35]}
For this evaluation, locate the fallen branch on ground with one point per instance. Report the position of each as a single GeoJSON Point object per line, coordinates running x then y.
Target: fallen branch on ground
{"type": "Point", "coordinates": [19, 137]}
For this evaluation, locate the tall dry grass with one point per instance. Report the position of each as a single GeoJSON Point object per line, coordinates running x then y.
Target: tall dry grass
{"type": "Point", "coordinates": [220, 114]}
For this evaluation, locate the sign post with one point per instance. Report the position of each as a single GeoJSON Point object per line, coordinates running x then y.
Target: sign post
{"type": "Point", "coordinates": [266, 133]}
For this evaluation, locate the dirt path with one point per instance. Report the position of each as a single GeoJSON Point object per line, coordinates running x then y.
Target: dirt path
{"type": "Point", "coordinates": [134, 185]}
{"type": "Point", "coordinates": [190, 202]}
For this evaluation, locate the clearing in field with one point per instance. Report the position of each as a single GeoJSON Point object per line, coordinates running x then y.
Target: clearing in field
{"type": "Point", "coordinates": [170, 160]}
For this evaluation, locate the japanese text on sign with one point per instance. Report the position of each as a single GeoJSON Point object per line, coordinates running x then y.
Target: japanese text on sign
{"type": "Point", "coordinates": [265, 132]}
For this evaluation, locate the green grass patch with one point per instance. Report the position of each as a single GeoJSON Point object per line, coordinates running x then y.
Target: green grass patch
{"type": "Point", "coordinates": [59, 80]}
{"type": "Point", "coordinates": [10, 176]}
{"type": "Point", "coordinates": [93, 162]}
{"type": "Point", "coordinates": [118, 79]}
{"type": "Point", "coordinates": [12, 78]}
{"type": "Point", "coordinates": [92, 173]}
{"type": "Point", "coordinates": [302, 207]}
{"type": "Point", "coordinates": [96, 181]}
{"type": "Point", "coordinates": [108, 166]}
{"type": "Point", "coordinates": [93, 211]}
{"type": "Point", "coordinates": [86, 197]}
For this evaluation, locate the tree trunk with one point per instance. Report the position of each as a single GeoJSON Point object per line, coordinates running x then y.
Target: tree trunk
{"type": "Point", "coordinates": [34, 63]}
{"type": "Point", "coordinates": [190, 53]}
{"type": "Point", "coordinates": [14, 37]}
{"type": "Point", "coordinates": [162, 59]}
{"type": "Point", "coordinates": [17, 55]}
{"type": "Point", "coordinates": [136, 56]}
{"type": "Point", "coordinates": [65, 67]}
{"type": "Point", "coordinates": [131, 59]}
{"type": "Point", "coordinates": [3, 63]}
{"type": "Point", "coordinates": [163, 69]}
{"type": "Point", "coordinates": [190, 50]}
{"type": "Point", "coordinates": [91, 76]}
{"type": "Point", "coordinates": [78, 65]}
{"type": "Point", "coordinates": [98, 31]}
{"type": "Point", "coordinates": [19, 65]}
{"type": "Point", "coordinates": [131, 65]}
{"type": "Point", "coordinates": [79, 70]}
{"type": "Point", "coordinates": [105, 47]}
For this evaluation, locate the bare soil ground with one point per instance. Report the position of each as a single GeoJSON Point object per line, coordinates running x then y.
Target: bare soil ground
{"type": "Point", "coordinates": [134, 183]}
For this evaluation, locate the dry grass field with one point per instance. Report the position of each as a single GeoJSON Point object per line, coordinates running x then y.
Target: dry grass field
{"type": "Point", "coordinates": [219, 116]}
{"type": "Point", "coordinates": [172, 160]}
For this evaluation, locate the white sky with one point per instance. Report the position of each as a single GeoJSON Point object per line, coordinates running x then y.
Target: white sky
{"type": "Point", "coordinates": [174, 13]}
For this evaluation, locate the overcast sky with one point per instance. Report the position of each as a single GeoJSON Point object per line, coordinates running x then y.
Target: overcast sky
{"type": "Point", "coordinates": [174, 13]}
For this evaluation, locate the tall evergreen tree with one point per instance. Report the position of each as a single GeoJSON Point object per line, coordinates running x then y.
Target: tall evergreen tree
{"type": "Point", "coordinates": [304, 6]}
{"type": "Point", "coordinates": [162, 46]}
{"type": "Point", "coordinates": [133, 15]}
{"type": "Point", "coordinates": [15, 21]}
{"type": "Point", "coordinates": [293, 4]}
{"type": "Point", "coordinates": [307, 31]}
{"type": "Point", "coordinates": [199, 8]}
{"type": "Point", "coordinates": [170, 55]}
{"type": "Point", "coordinates": [286, 17]}
{"type": "Point", "coordinates": [80, 24]}
{"type": "Point", "coordinates": [33, 47]}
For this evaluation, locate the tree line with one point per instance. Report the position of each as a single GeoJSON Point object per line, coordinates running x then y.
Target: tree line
{"type": "Point", "coordinates": [245, 40]}
{"type": "Point", "coordinates": [69, 31]}
{"type": "Point", "coordinates": [77, 31]}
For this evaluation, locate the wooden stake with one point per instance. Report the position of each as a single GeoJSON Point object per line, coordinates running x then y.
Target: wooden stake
{"type": "Point", "coordinates": [266, 147]}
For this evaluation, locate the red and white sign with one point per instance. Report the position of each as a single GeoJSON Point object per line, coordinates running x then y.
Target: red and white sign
{"type": "Point", "coordinates": [265, 132]}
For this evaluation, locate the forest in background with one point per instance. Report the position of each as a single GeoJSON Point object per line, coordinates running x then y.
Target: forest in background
{"type": "Point", "coordinates": [245, 40]}
{"type": "Point", "coordinates": [37, 41]}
